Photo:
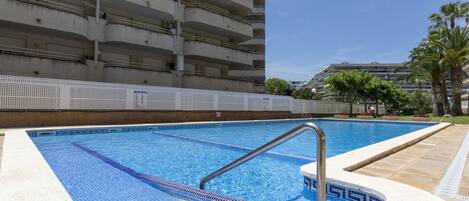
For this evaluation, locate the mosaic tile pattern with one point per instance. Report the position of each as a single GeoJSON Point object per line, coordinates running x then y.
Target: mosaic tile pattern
{"type": "Point", "coordinates": [178, 190]}
{"type": "Point", "coordinates": [342, 191]}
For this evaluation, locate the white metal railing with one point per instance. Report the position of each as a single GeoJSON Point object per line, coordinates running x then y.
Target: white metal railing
{"type": "Point", "coordinates": [194, 37]}
{"type": "Point", "coordinates": [113, 19]}
{"type": "Point", "coordinates": [58, 5]}
{"type": "Point", "coordinates": [214, 9]}
{"type": "Point", "coordinates": [30, 93]}
{"type": "Point", "coordinates": [38, 53]}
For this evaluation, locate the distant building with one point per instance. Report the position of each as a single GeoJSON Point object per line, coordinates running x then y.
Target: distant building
{"type": "Point", "coordinates": [386, 71]}
{"type": "Point", "coordinates": [297, 84]}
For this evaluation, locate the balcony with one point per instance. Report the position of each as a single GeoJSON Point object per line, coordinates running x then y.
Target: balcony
{"type": "Point", "coordinates": [255, 41]}
{"type": "Point", "coordinates": [159, 9]}
{"type": "Point", "coordinates": [258, 56]}
{"type": "Point", "coordinates": [223, 83]}
{"type": "Point", "coordinates": [247, 73]}
{"type": "Point", "coordinates": [240, 7]}
{"type": "Point", "coordinates": [140, 34]}
{"type": "Point", "coordinates": [259, 10]}
{"type": "Point", "coordinates": [258, 25]}
{"type": "Point", "coordinates": [217, 51]}
{"type": "Point", "coordinates": [217, 21]}
{"type": "Point", "coordinates": [48, 15]}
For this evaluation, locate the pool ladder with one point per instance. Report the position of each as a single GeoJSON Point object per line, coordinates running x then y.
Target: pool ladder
{"type": "Point", "coordinates": [447, 116]}
{"type": "Point", "coordinates": [320, 162]}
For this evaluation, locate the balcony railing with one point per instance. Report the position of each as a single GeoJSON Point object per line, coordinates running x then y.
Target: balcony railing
{"type": "Point", "coordinates": [213, 9]}
{"type": "Point", "coordinates": [136, 65]}
{"type": "Point", "coordinates": [226, 77]}
{"type": "Point", "coordinates": [61, 6]}
{"type": "Point", "coordinates": [139, 25]}
{"type": "Point", "coordinates": [39, 53]}
{"type": "Point", "coordinates": [194, 37]}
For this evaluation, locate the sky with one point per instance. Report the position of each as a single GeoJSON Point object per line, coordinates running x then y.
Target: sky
{"type": "Point", "coordinates": [304, 36]}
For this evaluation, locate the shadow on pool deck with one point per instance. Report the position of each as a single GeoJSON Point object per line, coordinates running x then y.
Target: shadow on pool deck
{"type": "Point", "coordinates": [424, 164]}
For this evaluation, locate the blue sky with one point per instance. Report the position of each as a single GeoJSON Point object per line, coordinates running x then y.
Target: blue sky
{"type": "Point", "coordinates": [303, 36]}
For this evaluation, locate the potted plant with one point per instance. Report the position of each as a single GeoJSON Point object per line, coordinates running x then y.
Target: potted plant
{"type": "Point", "coordinates": [365, 116]}
{"type": "Point", "coordinates": [421, 117]}
{"type": "Point", "coordinates": [391, 117]}
{"type": "Point", "coordinates": [342, 115]}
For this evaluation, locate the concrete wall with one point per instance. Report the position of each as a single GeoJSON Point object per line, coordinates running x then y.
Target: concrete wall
{"type": "Point", "coordinates": [10, 119]}
{"type": "Point", "coordinates": [127, 34]}
{"type": "Point", "coordinates": [39, 67]}
{"type": "Point", "coordinates": [217, 23]}
{"type": "Point", "coordinates": [200, 82]}
{"type": "Point", "coordinates": [217, 53]}
{"type": "Point", "coordinates": [23, 13]}
{"type": "Point", "coordinates": [136, 76]}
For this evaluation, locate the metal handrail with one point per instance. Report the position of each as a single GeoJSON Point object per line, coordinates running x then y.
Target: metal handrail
{"type": "Point", "coordinates": [449, 116]}
{"type": "Point", "coordinates": [320, 149]}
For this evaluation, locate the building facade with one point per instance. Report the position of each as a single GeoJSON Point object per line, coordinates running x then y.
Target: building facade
{"type": "Point", "coordinates": [389, 72]}
{"type": "Point", "coordinates": [204, 44]}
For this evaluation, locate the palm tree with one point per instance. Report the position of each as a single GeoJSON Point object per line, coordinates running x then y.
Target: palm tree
{"type": "Point", "coordinates": [454, 43]}
{"type": "Point", "coordinates": [449, 14]}
{"type": "Point", "coordinates": [425, 65]}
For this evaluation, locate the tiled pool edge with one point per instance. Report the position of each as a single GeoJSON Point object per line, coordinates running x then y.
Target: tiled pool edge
{"type": "Point", "coordinates": [25, 174]}
{"type": "Point", "coordinates": [16, 188]}
{"type": "Point", "coordinates": [338, 168]}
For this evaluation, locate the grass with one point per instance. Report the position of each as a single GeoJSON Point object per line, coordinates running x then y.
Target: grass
{"type": "Point", "coordinates": [457, 120]}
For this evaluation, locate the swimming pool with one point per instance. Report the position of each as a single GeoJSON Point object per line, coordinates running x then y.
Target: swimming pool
{"type": "Point", "coordinates": [113, 163]}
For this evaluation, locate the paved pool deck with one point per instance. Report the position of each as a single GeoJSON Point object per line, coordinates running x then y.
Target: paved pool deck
{"type": "Point", "coordinates": [424, 164]}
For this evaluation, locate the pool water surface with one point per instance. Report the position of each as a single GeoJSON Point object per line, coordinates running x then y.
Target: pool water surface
{"type": "Point", "coordinates": [86, 163]}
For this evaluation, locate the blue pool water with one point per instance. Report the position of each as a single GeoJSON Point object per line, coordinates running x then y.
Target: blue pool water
{"type": "Point", "coordinates": [86, 164]}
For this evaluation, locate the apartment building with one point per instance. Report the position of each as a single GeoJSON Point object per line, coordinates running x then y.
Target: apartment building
{"type": "Point", "coordinates": [257, 45]}
{"type": "Point", "coordinates": [386, 71]}
{"type": "Point", "coordinates": [204, 44]}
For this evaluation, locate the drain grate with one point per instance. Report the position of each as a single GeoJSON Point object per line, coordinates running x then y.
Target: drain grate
{"type": "Point", "coordinates": [449, 185]}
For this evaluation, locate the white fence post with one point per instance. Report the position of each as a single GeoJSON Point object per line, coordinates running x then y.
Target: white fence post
{"type": "Point", "coordinates": [177, 101]}
{"type": "Point", "coordinates": [270, 104]}
{"type": "Point", "coordinates": [215, 102]}
{"type": "Point", "coordinates": [246, 102]}
{"type": "Point", "coordinates": [64, 97]}
{"type": "Point", "coordinates": [129, 99]}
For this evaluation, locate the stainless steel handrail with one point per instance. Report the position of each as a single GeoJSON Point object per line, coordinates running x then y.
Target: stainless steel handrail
{"type": "Point", "coordinates": [320, 149]}
{"type": "Point", "coordinates": [449, 116]}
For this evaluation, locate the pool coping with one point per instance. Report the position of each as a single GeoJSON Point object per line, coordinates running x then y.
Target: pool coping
{"type": "Point", "coordinates": [339, 169]}
{"type": "Point", "coordinates": [25, 174]}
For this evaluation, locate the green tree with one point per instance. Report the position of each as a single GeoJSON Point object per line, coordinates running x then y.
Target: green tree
{"type": "Point", "coordinates": [453, 40]}
{"type": "Point", "coordinates": [393, 97]}
{"type": "Point", "coordinates": [276, 86]}
{"type": "Point", "coordinates": [420, 102]}
{"type": "Point", "coordinates": [305, 93]}
{"type": "Point", "coordinates": [454, 44]}
{"type": "Point", "coordinates": [448, 15]}
{"type": "Point", "coordinates": [425, 65]}
{"type": "Point", "coordinates": [346, 84]}
{"type": "Point", "coordinates": [373, 91]}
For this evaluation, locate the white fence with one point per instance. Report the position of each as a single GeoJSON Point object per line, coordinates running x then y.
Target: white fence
{"type": "Point", "coordinates": [31, 93]}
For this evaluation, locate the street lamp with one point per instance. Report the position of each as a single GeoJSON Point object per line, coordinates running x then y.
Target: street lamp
{"type": "Point", "coordinates": [314, 90]}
